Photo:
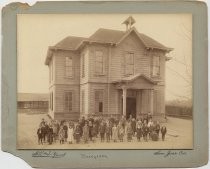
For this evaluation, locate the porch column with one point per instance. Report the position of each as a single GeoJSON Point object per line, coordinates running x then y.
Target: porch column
{"type": "Point", "coordinates": [151, 101]}
{"type": "Point", "coordinates": [124, 101]}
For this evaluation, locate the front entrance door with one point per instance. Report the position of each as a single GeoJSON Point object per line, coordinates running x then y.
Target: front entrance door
{"type": "Point", "coordinates": [130, 107]}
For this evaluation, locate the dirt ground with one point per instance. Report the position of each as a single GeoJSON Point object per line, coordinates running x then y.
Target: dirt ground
{"type": "Point", "coordinates": [179, 136]}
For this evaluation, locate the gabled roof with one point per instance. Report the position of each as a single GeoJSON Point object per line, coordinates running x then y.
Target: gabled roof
{"type": "Point", "coordinates": [151, 43]}
{"type": "Point", "coordinates": [116, 36]}
{"type": "Point", "coordinates": [69, 43]}
{"type": "Point", "coordinates": [104, 36]}
{"type": "Point", "coordinates": [134, 77]}
{"type": "Point", "coordinates": [107, 35]}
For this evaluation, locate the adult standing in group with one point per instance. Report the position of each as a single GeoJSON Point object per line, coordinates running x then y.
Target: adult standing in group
{"type": "Point", "coordinates": [50, 134]}
{"type": "Point", "coordinates": [65, 128]}
{"type": "Point", "coordinates": [129, 131]}
{"type": "Point", "coordinates": [86, 132]}
{"type": "Point", "coordinates": [102, 129]}
{"type": "Point", "coordinates": [123, 121]}
{"type": "Point", "coordinates": [90, 125]}
{"type": "Point", "coordinates": [133, 126]}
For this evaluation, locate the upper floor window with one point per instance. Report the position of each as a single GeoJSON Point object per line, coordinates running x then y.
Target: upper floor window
{"type": "Point", "coordinates": [99, 65]}
{"type": "Point", "coordinates": [83, 65]}
{"type": "Point", "coordinates": [156, 66]}
{"type": "Point", "coordinates": [99, 101]}
{"type": "Point", "coordinates": [129, 63]}
{"type": "Point", "coordinates": [68, 100]}
{"type": "Point", "coordinates": [68, 67]}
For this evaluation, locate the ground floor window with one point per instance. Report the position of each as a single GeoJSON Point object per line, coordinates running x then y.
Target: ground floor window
{"type": "Point", "coordinates": [99, 101]}
{"type": "Point", "coordinates": [68, 99]}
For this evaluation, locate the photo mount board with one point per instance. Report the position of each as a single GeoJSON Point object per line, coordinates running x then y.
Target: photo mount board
{"type": "Point", "coordinates": [198, 156]}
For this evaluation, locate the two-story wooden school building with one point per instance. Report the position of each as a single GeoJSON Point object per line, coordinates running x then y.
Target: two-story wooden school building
{"type": "Point", "coordinates": [111, 73]}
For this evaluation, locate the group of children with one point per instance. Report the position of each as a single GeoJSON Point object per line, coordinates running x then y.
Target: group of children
{"type": "Point", "coordinates": [88, 130]}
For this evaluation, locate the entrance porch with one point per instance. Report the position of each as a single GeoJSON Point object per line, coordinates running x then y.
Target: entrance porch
{"type": "Point", "coordinates": [136, 102]}
{"type": "Point", "coordinates": [140, 95]}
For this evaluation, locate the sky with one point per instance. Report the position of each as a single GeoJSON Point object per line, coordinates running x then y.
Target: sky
{"type": "Point", "coordinates": [35, 32]}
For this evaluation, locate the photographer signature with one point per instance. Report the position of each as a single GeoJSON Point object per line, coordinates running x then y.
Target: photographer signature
{"type": "Point", "coordinates": [50, 154]}
{"type": "Point", "coordinates": [170, 153]}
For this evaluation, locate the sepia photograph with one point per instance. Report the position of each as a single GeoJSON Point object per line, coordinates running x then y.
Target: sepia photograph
{"type": "Point", "coordinates": [104, 81]}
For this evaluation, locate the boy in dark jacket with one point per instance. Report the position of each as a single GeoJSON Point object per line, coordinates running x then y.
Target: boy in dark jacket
{"type": "Point", "coordinates": [39, 134]}
{"type": "Point", "coordinates": [139, 132]}
{"type": "Point", "coordinates": [145, 131]}
{"type": "Point", "coordinates": [77, 133]}
{"type": "Point", "coordinates": [50, 134]}
{"type": "Point", "coordinates": [108, 132]}
{"type": "Point", "coordinates": [102, 129]}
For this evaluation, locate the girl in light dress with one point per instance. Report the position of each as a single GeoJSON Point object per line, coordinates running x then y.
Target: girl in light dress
{"type": "Point", "coordinates": [70, 134]}
{"type": "Point", "coordinates": [114, 133]}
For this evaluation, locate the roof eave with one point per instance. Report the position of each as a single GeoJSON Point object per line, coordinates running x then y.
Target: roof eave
{"type": "Point", "coordinates": [49, 55]}
{"type": "Point", "coordinates": [130, 80]}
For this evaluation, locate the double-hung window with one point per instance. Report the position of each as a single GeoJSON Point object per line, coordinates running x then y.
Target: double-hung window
{"type": "Point", "coordinates": [99, 65]}
{"type": "Point", "coordinates": [129, 64]}
{"type": "Point", "coordinates": [99, 101]}
{"type": "Point", "coordinates": [68, 101]}
{"type": "Point", "coordinates": [68, 67]}
{"type": "Point", "coordinates": [156, 66]}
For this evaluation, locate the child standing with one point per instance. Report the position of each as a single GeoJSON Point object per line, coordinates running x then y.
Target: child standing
{"type": "Point", "coordinates": [70, 134]}
{"type": "Point", "coordinates": [39, 134]}
{"type": "Point", "coordinates": [61, 134]}
{"type": "Point", "coordinates": [114, 133]}
{"type": "Point", "coordinates": [94, 132]}
{"type": "Point", "coordinates": [108, 132]}
{"type": "Point", "coordinates": [121, 132]}
{"type": "Point", "coordinates": [145, 131]}
{"type": "Point", "coordinates": [102, 129]}
{"type": "Point", "coordinates": [86, 132]}
{"type": "Point", "coordinates": [77, 134]}
{"type": "Point", "coordinates": [133, 126]}
{"type": "Point", "coordinates": [129, 132]}
{"type": "Point", "coordinates": [163, 132]}
{"type": "Point", "coordinates": [139, 132]}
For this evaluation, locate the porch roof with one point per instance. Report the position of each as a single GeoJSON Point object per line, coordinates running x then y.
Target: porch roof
{"type": "Point", "coordinates": [134, 77]}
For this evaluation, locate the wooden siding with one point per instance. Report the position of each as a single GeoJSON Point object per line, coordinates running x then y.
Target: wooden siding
{"type": "Point", "coordinates": [145, 102]}
{"type": "Point", "coordinates": [52, 111]}
{"type": "Point", "coordinates": [160, 53]}
{"type": "Point", "coordinates": [84, 88]}
{"type": "Point", "coordinates": [138, 102]}
{"type": "Point", "coordinates": [52, 70]}
{"type": "Point", "coordinates": [112, 106]}
{"type": "Point", "coordinates": [93, 77]}
{"type": "Point", "coordinates": [59, 68]}
{"type": "Point", "coordinates": [86, 54]}
{"type": "Point", "coordinates": [59, 97]}
{"type": "Point", "coordinates": [159, 101]}
{"type": "Point", "coordinates": [92, 88]}
{"type": "Point", "coordinates": [141, 61]}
